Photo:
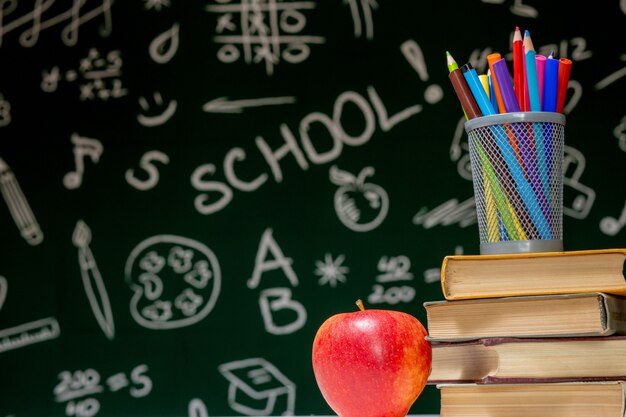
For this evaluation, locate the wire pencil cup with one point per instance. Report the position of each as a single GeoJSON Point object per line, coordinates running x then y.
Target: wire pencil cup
{"type": "Point", "coordinates": [517, 174]}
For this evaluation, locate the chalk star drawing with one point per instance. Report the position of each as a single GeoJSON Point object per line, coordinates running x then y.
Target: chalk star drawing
{"type": "Point", "coordinates": [331, 271]}
{"type": "Point", "coordinates": [156, 4]}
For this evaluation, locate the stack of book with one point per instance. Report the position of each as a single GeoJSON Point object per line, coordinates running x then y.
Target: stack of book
{"type": "Point", "coordinates": [536, 334]}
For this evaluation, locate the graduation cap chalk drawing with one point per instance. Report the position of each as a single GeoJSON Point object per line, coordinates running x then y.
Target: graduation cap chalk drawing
{"type": "Point", "coordinates": [258, 388]}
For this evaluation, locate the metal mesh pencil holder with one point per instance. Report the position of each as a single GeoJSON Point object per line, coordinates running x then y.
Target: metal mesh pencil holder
{"type": "Point", "coordinates": [517, 174]}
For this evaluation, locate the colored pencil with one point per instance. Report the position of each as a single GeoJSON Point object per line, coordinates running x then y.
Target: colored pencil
{"type": "Point", "coordinates": [540, 62]}
{"type": "Point", "coordinates": [550, 84]}
{"type": "Point", "coordinates": [503, 79]}
{"type": "Point", "coordinates": [477, 90]}
{"type": "Point", "coordinates": [491, 58]}
{"type": "Point", "coordinates": [462, 90]}
{"type": "Point", "coordinates": [492, 90]}
{"type": "Point", "coordinates": [565, 67]}
{"type": "Point", "coordinates": [531, 73]}
{"type": "Point", "coordinates": [518, 68]}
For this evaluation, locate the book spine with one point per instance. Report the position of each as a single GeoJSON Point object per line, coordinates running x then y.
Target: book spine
{"type": "Point", "coordinates": [615, 310]}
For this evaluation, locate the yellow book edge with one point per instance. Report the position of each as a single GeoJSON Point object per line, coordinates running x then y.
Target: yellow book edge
{"type": "Point", "coordinates": [526, 256]}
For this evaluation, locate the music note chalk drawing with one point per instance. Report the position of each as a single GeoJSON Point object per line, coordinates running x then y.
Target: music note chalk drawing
{"type": "Point", "coordinates": [176, 281]}
{"type": "Point", "coordinates": [83, 147]}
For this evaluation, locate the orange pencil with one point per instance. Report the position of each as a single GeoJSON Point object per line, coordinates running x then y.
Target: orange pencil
{"type": "Point", "coordinates": [491, 58]}
{"type": "Point", "coordinates": [518, 68]}
{"type": "Point", "coordinates": [565, 67]}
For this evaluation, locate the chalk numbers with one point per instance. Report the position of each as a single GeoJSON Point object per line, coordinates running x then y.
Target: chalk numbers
{"type": "Point", "coordinates": [392, 295]}
{"type": "Point", "coordinates": [393, 269]}
{"type": "Point", "coordinates": [79, 382]}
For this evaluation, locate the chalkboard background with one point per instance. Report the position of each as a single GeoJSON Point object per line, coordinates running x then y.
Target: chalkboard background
{"type": "Point", "coordinates": [180, 210]}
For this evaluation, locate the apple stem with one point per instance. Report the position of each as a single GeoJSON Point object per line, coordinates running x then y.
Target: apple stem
{"type": "Point", "coordinates": [360, 304]}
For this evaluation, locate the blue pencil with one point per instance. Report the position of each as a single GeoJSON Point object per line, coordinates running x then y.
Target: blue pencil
{"type": "Point", "coordinates": [550, 84]}
{"type": "Point", "coordinates": [478, 91]}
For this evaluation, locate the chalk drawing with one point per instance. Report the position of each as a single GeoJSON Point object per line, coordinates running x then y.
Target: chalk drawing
{"type": "Point", "coordinates": [29, 333]}
{"type": "Point", "coordinates": [620, 133]}
{"type": "Point", "coordinates": [266, 32]}
{"type": "Point", "coordinates": [366, 6]}
{"type": "Point", "coordinates": [413, 54]}
{"type": "Point", "coordinates": [610, 225]}
{"type": "Point", "coordinates": [394, 268]}
{"type": "Point", "coordinates": [163, 48]}
{"type": "Point", "coordinates": [331, 271]}
{"type": "Point", "coordinates": [79, 388]}
{"type": "Point", "coordinates": [262, 264]}
{"type": "Point", "coordinates": [392, 295]}
{"type": "Point", "coordinates": [224, 105]}
{"type": "Point", "coordinates": [5, 111]}
{"type": "Point", "coordinates": [448, 213]}
{"type": "Point", "coordinates": [99, 77]}
{"type": "Point", "coordinates": [583, 198]}
{"type": "Point", "coordinates": [214, 195]}
{"type": "Point", "coordinates": [146, 163]}
{"type": "Point", "coordinates": [360, 206]}
{"type": "Point", "coordinates": [18, 206]}
{"type": "Point", "coordinates": [4, 287]}
{"type": "Point", "coordinates": [610, 79]}
{"type": "Point", "coordinates": [273, 302]}
{"type": "Point", "coordinates": [262, 385]}
{"type": "Point", "coordinates": [83, 147]}
{"type": "Point", "coordinates": [92, 280]}
{"type": "Point", "coordinates": [38, 20]}
{"type": "Point", "coordinates": [176, 281]}
{"type": "Point", "coordinates": [518, 8]}
{"type": "Point", "coordinates": [166, 111]}
{"type": "Point", "coordinates": [197, 408]}
{"type": "Point", "coordinates": [156, 4]}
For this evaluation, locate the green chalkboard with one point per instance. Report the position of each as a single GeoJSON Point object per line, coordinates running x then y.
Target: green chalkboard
{"type": "Point", "coordinates": [189, 189]}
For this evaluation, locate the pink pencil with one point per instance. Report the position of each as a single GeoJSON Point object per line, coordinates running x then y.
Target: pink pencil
{"type": "Point", "coordinates": [526, 94]}
{"type": "Point", "coordinates": [540, 61]}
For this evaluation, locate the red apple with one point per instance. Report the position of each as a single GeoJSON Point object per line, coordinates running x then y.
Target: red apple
{"type": "Point", "coordinates": [371, 363]}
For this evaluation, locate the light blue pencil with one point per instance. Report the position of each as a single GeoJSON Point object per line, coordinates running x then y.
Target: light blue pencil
{"type": "Point", "coordinates": [477, 90]}
{"type": "Point", "coordinates": [531, 74]}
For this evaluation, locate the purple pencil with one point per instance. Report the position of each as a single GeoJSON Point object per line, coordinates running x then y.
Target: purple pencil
{"type": "Point", "coordinates": [505, 84]}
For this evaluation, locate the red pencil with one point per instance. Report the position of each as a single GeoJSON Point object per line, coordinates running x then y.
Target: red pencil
{"type": "Point", "coordinates": [565, 67]}
{"type": "Point", "coordinates": [518, 69]}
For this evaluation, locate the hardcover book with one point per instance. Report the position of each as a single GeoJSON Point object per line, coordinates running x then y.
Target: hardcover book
{"type": "Point", "coordinates": [576, 399]}
{"type": "Point", "coordinates": [562, 315]}
{"type": "Point", "coordinates": [516, 360]}
{"type": "Point", "coordinates": [542, 273]}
